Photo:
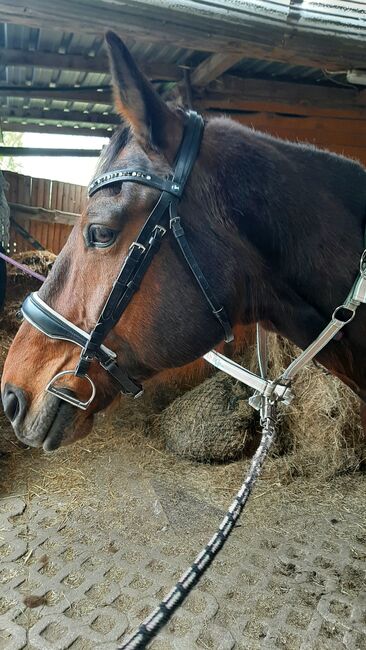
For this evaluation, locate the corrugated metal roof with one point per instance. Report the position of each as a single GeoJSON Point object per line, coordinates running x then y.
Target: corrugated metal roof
{"type": "Point", "coordinates": [27, 39]}
{"type": "Point", "coordinates": [329, 16]}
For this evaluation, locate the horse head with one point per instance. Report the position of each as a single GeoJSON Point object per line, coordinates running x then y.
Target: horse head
{"type": "Point", "coordinates": [167, 323]}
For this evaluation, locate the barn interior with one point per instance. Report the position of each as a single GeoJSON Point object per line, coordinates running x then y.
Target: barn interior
{"type": "Point", "coordinates": [93, 535]}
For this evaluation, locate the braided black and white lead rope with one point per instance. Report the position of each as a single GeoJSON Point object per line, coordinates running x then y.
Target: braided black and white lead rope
{"type": "Point", "coordinates": [163, 613]}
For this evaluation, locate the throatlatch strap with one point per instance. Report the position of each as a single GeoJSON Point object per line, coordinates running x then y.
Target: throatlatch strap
{"type": "Point", "coordinates": [217, 309]}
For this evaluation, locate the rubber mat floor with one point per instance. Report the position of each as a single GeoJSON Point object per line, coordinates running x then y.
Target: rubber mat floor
{"type": "Point", "coordinates": [92, 536]}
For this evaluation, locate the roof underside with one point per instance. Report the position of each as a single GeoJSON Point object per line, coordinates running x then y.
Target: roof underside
{"type": "Point", "coordinates": [54, 79]}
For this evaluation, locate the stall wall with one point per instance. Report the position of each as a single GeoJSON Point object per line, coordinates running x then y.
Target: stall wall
{"type": "Point", "coordinates": [53, 196]}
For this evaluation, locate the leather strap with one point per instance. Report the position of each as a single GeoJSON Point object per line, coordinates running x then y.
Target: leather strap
{"type": "Point", "coordinates": [217, 310]}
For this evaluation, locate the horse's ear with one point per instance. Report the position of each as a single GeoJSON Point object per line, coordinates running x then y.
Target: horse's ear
{"type": "Point", "coordinates": [136, 101]}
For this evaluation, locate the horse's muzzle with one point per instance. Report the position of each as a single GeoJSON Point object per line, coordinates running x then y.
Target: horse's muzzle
{"type": "Point", "coordinates": [47, 427]}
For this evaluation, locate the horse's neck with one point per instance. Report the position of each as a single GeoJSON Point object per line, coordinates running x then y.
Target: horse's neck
{"type": "Point", "coordinates": [303, 210]}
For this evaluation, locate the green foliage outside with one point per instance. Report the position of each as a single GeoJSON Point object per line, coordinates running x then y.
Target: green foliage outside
{"type": "Point", "coordinates": [10, 139]}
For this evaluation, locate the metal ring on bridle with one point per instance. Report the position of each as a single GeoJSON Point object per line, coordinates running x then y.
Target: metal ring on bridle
{"type": "Point", "coordinates": [68, 397]}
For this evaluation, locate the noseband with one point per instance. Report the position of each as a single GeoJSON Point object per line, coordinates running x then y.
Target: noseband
{"type": "Point", "coordinates": [164, 216]}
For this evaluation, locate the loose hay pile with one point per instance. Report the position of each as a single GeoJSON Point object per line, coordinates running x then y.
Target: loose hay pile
{"type": "Point", "coordinates": [19, 285]}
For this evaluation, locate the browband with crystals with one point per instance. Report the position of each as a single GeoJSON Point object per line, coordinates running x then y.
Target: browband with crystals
{"type": "Point", "coordinates": [137, 175]}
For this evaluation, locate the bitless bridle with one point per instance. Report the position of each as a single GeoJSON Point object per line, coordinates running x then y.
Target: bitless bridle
{"type": "Point", "coordinates": [267, 394]}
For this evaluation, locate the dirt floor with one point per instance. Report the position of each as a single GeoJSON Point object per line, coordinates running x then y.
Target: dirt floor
{"type": "Point", "coordinates": [93, 535]}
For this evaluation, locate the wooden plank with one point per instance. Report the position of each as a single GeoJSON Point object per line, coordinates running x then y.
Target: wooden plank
{"type": "Point", "coordinates": [45, 231]}
{"type": "Point", "coordinates": [36, 231]}
{"type": "Point", "coordinates": [234, 93]}
{"type": "Point", "coordinates": [330, 131]}
{"type": "Point", "coordinates": [79, 198]}
{"type": "Point", "coordinates": [24, 197]}
{"type": "Point", "coordinates": [59, 190]}
{"type": "Point", "coordinates": [220, 105]}
{"type": "Point", "coordinates": [40, 200]}
{"type": "Point", "coordinates": [70, 206]}
{"type": "Point", "coordinates": [51, 60]}
{"type": "Point", "coordinates": [34, 192]}
{"type": "Point", "coordinates": [53, 197]}
{"type": "Point", "coordinates": [42, 215]}
{"type": "Point", "coordinates": [65, 232]}
{"type": "Point", "coordinates": [218, 26]}
{"type": "Point", "coordinates": [212, 67]}
{"type": "Point", "coordinates": [20, 192]}
{"type": "Point", "coordinates": [67, 190]}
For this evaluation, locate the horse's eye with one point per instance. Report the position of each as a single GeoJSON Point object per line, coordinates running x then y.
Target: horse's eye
{"type": "Point", "coordinates": [101, 236]}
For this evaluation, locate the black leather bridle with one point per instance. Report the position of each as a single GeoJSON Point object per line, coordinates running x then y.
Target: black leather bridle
{"type": "Point", "coordinates": [164, 216]}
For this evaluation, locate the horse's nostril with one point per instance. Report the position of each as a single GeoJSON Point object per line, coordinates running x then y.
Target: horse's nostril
{"type": "Point", "coordinates": [14, 404]}
{"type": "Point", "coordinates": [12, 407]}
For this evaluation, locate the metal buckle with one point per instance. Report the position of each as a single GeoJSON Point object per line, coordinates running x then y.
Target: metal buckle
{"type": "Point", "coordinates": [51, 388]}
{"type": "Point", "coordinates": [136, 244]}
{"type": "Point", "coordinates": [160, 229]}
{"type": "Point", "coordinates": [345, 321]}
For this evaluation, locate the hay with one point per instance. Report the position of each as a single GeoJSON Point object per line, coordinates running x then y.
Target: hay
{"type": "Point", "coordinates": [19, 284]}
{"type": "Point", "coordinates": [320, 431]}
{"type": "Point", "coordinates": [39, 261]}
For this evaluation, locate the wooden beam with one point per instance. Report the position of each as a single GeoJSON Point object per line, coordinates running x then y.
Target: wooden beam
{"type": "Point", "coordinates": [244, 28]}
{"type": "Point", "coordinates": [212, 67]}
{"type": "Point", "coordinates": [43, 151]}
{"type": "Point", "coordinates": [41, 214]}
{"type": "Point", "coordinates": [59, 115]}
{"type": "Point", "coordinates": [48, 128]}
{"type": "Point", "coordinates": [234, 93]}
{"type": "Point", "coordinates": [99, 64]}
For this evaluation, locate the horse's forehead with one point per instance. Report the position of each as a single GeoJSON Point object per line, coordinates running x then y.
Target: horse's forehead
{"type": "Point", "coordinates": [128, 153]}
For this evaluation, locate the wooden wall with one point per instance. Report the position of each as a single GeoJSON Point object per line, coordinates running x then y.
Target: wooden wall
{"type": "Point", "coordinates": [343, 136]}
{"type": "Point", "coordinates": [49, 226]}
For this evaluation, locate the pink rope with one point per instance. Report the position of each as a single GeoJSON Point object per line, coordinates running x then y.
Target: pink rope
{"type": "Point", "coordinates": [22, 267]}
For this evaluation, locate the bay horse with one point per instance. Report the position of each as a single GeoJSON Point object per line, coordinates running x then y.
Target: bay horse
{"type": "Point", "coordinates": [277, 228]}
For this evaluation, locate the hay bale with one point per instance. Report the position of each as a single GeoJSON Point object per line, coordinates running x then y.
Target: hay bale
{"type": "Point", "coordinates": [212, 422]}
